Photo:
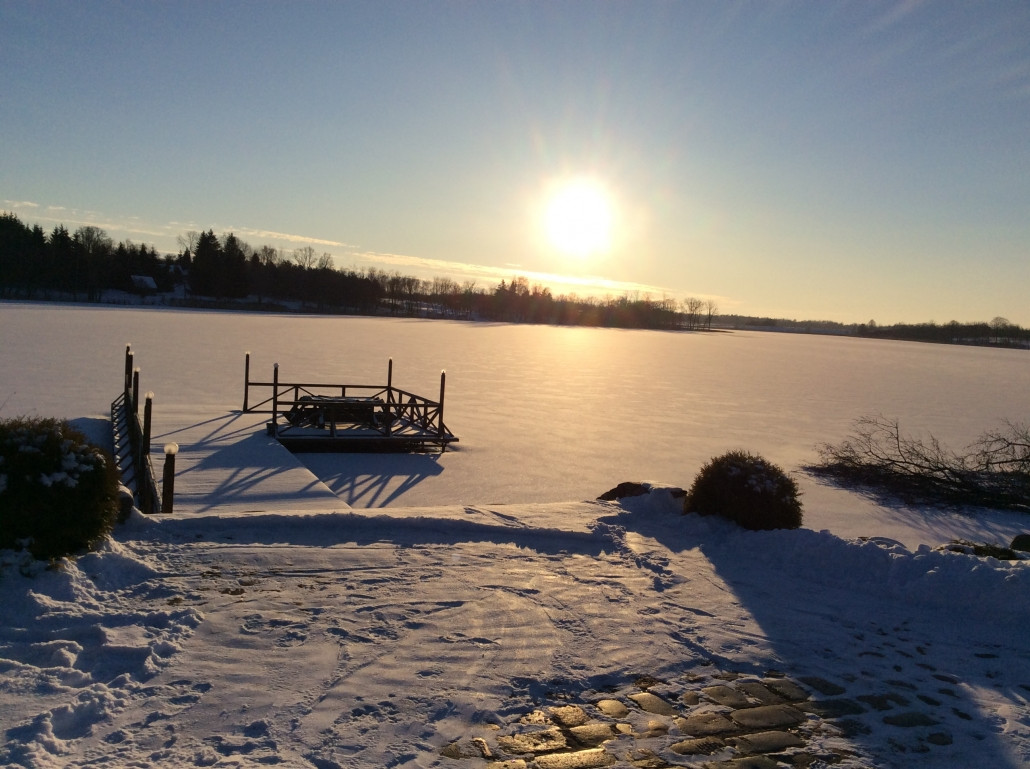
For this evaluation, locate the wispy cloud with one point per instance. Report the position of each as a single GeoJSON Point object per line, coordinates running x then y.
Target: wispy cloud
{"type": "Point", "coordinates": [287, 237]}
{"type": "Point", "coordinates": [74, 218]}
{"type": "Point", "coordinates": [491, 274]}
{"type": "Point", "coordinates": [164, 238]}
{"type": "Point", "coordinates": [164, 234]}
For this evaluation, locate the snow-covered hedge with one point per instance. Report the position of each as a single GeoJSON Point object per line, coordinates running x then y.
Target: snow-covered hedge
{"type": "Point", "coordinates": [746, 489]}
{"type": "Point", "coordinates": [58, 493]}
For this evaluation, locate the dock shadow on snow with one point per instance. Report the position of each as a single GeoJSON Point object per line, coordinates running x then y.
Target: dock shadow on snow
{"type": "Point", "coordinates": [230, 463]}
{"type": "Point", "coordinates": [371, 480]}
{"type": "Point", "coordinates": [877, 676]}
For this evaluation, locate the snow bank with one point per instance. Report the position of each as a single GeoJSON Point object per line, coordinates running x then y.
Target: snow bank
{"type": "Point", "coordinates": [76, 642]}
{"type": "Point", "coordinates": [875, 566]}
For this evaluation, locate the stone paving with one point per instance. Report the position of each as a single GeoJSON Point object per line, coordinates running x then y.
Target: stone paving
{"type": "Point", "coordinates": [716, 721]}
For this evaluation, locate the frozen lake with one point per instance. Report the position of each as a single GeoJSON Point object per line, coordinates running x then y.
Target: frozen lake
{"type": "Point", "coordinates": [543, 413]}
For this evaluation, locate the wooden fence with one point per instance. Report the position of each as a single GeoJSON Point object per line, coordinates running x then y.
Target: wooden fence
{"type": "Point", "coordinates": [134, 428]}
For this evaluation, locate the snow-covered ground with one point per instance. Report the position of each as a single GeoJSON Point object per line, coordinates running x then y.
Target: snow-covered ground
{"type": "Point", "coordinates": [379, 637]}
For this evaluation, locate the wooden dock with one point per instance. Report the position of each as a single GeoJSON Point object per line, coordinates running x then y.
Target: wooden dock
{"type": "Point", "coordinates": [320, 417]}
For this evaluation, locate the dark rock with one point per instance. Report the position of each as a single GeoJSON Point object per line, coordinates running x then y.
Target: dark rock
{"type": "Point", "coordinates": [702, 746]}
{"type": "Point", "coordinates": [787, 689]}
{"type": "Point", "coordinates": [768, 716]}
{"type": "Point", "coordinates": [705, 724]}
{"type": "Point", "coordinates": [762, 693]}
{"type": "Point", "coordinates": [726, 695]}
{"type": "Point", "coordinates": [542, 741]}
{"type": "Point", "coordinates": [625, 489]}
{"type": "Point", "coordinates": [652, 703]}
{"type": "Point", "coordinates": [569, 715]}
{"type": "Point", "coordinates": [834, 708]}
{"type": "Point", "coordinates": [613, 708]}
{"type": "Point", "coordinates": [910, 719]}
{"type": "Point", "coordinates": [591, 735]}
{"type": "Point", "coordinates": [581, 759]}
{"type": "Point", "coordinates": [768, 742]}
{"type": "Point", "coordinates": [1021, 542]}
{"type": "Point", "coordinates": [823, 686]}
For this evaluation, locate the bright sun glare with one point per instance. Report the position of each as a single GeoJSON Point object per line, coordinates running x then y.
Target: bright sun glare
{"type": "Point", "coordinates": [578, 218]}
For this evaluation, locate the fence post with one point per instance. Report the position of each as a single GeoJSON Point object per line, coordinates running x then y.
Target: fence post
{"type": "Point", "coordinates": [246, 380]}
{"type": "Point", "coordinates": [143, 479]}
{"type": "Point", "coordinates": [168, 484]}
{"type": "Point", "coordinates": [389, 398]}
{"type": "Point", "coordinates": [128, 370]}
{"type": "Point", "coordinates": [135, 391]}
{"type": "Point", "coordinates": [439, 414]}
{"type": "Point", "coordinates": [148, 408]}
{"type": "Point", "coordinates": [275, 400]}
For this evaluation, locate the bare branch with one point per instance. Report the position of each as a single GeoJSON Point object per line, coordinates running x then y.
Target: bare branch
{"type": "Point", "coordinates": [995, 471]}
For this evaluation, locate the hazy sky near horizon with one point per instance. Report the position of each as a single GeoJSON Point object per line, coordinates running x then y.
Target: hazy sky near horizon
{"type": "Point", "coordinates": [817, 160]}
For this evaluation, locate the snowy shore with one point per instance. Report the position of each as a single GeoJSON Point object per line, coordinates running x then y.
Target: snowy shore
{"type": "Point", "coordinates": [379, 638]}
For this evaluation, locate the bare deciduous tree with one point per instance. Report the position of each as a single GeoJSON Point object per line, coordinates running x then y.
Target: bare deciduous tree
{"type": "Point", "coordinates": [305, 257]}
{"type": "Point", "coordinates": [692, 307]}
{"type": "Point", "coordinates": [93, 239]}
{"type": "Point", "coordinates": [711, 310]}
{"type": "Point", "coordinates": [269, 255]}
{"type": "Point", "coordinates": [188, 241]}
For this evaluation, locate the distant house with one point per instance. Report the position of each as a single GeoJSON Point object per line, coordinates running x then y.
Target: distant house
{"type": "Point", "coordinates": [143, 284]}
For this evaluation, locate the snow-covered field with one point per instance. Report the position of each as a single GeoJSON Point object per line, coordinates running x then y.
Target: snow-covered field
{"type": "Point", "coordinates": [379, 637]}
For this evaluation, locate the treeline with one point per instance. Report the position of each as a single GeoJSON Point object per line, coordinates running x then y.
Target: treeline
{"type": "Point", "coordinates": [212, 271]}
{"type": "Point", "coordinates": [37, 265]}
{"type": "Point", "coordinates": [999, 332]}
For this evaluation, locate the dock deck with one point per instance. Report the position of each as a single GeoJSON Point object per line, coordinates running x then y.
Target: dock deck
{"type": "Point", "coordinates": [322, 417]}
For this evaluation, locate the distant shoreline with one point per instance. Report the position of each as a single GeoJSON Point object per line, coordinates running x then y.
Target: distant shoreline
{"type": "Point", "coordinates": [1014, 336]}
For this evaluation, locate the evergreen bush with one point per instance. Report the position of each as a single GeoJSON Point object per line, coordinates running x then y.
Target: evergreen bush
{"type": "Point", "coordinates": [58, 493]}
{"type": "Point", "coordinates": [746, 489]}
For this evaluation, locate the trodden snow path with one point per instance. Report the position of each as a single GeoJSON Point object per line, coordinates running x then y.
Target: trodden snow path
{"type": "Point", "coordinates": [357, 640]}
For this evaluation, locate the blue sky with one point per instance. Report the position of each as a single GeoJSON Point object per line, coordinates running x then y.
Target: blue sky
{"type": "Point", "coordinates": [831, 160]}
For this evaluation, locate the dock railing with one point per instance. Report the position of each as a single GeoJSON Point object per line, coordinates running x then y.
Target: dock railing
{"type": "Point", "coordinates": [136, 427]}
{"type": "Point", "coordinates": [399, 409]}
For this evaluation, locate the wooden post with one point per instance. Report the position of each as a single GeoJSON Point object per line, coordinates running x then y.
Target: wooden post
{"type": "Point", "coordinates": [168, 484]}
{"type": "Point", "coordinates": [135, 391]}
{"type": "Point", "coordinates": [439, 414]}
{"type": "Point", "coordinates": [143, 480]}
{"type": "Point", "coordinates": [128, 369]}
{"type": "Point", "coordinates": [275, 400]}
{"type": "Point", "coordinates": [246, 380]}
{"type": "Point", "coordinates": [148, 408]}
{"type": "Point", "coordinates": [388, 410]}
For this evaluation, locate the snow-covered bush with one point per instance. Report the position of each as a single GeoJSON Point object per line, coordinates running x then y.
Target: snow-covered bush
{"type": "Point", "coordinates": [58, 493]}
{"type": "Point", "coordinates": [746, 489]}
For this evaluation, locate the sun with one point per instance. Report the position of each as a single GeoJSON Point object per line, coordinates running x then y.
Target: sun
{"type": "Point", "coordinates": [578, 217]}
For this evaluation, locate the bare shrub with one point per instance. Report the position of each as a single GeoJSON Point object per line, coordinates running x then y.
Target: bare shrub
{"type": "Point", "coordinates": [993, 472]}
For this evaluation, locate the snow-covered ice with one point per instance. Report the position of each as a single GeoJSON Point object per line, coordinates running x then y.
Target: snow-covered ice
{"type": "Point", "coordinates": [335, 637]}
